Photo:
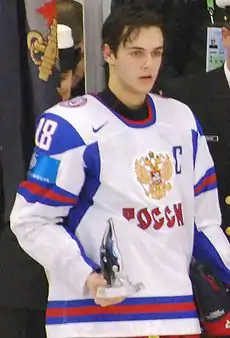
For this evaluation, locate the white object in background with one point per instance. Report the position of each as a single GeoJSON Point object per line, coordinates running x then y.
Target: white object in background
{"type": "Point", "coordinates": [215, 51]}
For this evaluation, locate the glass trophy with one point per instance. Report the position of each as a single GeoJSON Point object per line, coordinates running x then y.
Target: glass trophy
{"type": "Point", "coordinates": [118, 285]}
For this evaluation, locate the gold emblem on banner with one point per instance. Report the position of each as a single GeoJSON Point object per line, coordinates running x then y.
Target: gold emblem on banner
{"type": "Point", "coordinates": [44, 50]}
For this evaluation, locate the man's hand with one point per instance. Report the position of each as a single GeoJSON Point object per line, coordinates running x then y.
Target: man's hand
{"type": "Point", "coordinates": [96, 280]}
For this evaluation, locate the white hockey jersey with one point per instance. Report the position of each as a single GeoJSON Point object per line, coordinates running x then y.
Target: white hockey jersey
{"type": "Point", "coordinates": [156, 179]}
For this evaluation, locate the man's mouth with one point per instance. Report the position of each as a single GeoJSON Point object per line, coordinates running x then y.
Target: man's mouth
{"type": "Point", "coordinates": [146, 77]}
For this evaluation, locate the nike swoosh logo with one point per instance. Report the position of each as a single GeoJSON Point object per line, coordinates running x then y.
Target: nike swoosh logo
{"type": "Point", "coordinates": [96, 130]}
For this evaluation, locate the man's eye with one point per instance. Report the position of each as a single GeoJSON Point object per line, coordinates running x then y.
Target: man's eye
{"type": "Point", "coordinates": [137, 53]}
{"type": "Point", "coordinates": [157, 53]}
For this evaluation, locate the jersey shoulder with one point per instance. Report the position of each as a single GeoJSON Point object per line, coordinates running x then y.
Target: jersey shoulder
{"type": "Point", "coordinates": [71, 124]}
{"type": "Point", "coordinates": [176, 112]}
{"type": "Point", "coordinates": [79, 111]}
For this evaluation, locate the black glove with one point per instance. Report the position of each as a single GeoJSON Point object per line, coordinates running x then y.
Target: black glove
{"type": "Point", "coordinates": [213, 301]}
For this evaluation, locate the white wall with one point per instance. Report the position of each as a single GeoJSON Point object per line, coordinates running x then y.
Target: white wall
{"type": "Point", "coordinates": [93, 19]}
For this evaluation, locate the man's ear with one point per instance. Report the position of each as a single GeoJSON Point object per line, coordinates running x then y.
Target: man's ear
{"type": "Point", "coordinates": [108, 54]}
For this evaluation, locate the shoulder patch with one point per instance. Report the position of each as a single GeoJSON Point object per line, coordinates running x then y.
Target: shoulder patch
{"type": "Point", "coordinates": [43, 168]}
{"type": "Point", "coordinates": [78, 101]}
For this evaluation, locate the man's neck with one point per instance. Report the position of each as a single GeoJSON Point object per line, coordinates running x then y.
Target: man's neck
{"type": "Point", "coordinates": [130, 100]}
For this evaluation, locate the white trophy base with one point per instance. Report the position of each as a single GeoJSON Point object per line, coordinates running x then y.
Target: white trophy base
{"type": "Point", "coordinates": [119, 291]}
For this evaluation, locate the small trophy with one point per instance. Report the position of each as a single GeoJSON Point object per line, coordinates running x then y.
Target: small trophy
{"type": "Point", "coordinates": [118, 285]}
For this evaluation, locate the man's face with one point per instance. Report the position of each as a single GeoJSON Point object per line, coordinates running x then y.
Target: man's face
{"type": "Point", "coordinates": [66, 82]}
{"type": "Point", "coordinates": [136, 65]}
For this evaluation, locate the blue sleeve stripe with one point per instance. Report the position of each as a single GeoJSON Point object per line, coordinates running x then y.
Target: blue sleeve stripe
{"type": "Point", "coordinates": [199, 128]}
{"type": "Point", "coordinates": [93, 265]}
{"type": "Point", "coordinates": [204, 252]}
{"type": "Point", "coordinates": [49, 195]}
{"type": "Point", "coordinates": [206, 183]}
{"type": "Point", "coordinates": [194, 146]}
{"type": "Point", "coordinates": [91, 185]}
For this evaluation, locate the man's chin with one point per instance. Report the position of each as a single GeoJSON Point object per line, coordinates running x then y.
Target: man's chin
{"type": "Point", "coordinates": [144, 89]}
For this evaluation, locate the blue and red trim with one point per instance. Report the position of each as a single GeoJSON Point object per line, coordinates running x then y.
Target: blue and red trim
{"type": "Point", "coordinates": [46, 194]}
{"type": "Point", "coordinates": [150, 308]}
{"type": "Point", "coordinates": [206, 183]}
{"type": "Point", "coordinates": [151, 119]}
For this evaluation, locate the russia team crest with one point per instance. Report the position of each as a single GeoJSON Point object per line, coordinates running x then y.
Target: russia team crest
{"type": "Point", "coordinates": [154, 173]}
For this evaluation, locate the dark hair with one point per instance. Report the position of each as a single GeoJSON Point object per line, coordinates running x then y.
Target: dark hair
{"type": "Point", "coordinates": [126, 19]}
{"type": "Point", "coordinates": [70, 13]}
{"type": "Point", "coordinates": [226, 20]}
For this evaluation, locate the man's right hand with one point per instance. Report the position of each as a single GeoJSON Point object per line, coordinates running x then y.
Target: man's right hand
{"type": "Point", "coordinates": [94, 281]}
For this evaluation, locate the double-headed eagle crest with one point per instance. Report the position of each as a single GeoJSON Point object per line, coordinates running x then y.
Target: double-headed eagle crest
{"type": "Point", "coordinates": [154, 173]}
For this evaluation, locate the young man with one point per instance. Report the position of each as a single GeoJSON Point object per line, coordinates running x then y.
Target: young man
{"type": "Point", "coordinates": [141, 160]}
